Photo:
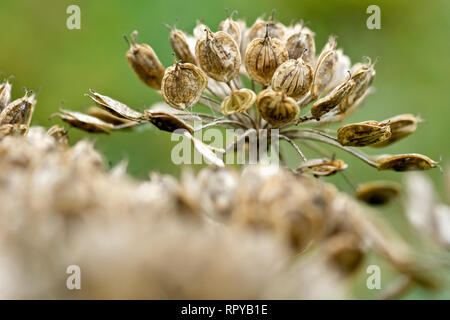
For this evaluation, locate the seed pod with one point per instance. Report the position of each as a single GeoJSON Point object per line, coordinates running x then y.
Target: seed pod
{"type": "Point", "coordinates": [322, 167]}
{"type": "Point", "coordinates": [218, 55]}
{"type": "Point", "coordinates": [167, 122]}
{"type": "Point", "coordinates": [363, 133]}
{"type": "Point", "coordinates": [144, 62]}
{"type": "Point", "coordinates": [182, 85]}
{"type": "Point", "coordinates": [298, 42]}
{"type": "Point", "coordinates": [238, 101]}
{"type": "Point", "coordinates": [13, 130]}
{"type": "Point", "coordinates": [294, 77]}
{"type": "Point", "coordinates": [276, 108]}
{"type": "Point", "coordinates": [263, 57]}
{"type": "Point", "coordinates": [19, 111]}
{"type": "Point", "coordinates": [325, 68]}
{"type": "Point", "coordinates": [115, 107]}
{"type": "Point", "coordinates": [5, 94]}
{"type": "Point", "coordinates": [377, 192]}
{"type": "Point", "coordinates": [199, 30]}
{"type": "Point", "coordinates": [85, 122]}
{"type": "Point", "coordinates": [401, 126]}
{"type": "Point", "coordinates": [180, 46]}
{"type": "Point", "coordinates": [405, 162]}
{"type": "Point", "coordinates": [232, 28]}
{"type": "Point", "coordinates": [59, 134]}
{"type": "Point", "coordinates": [106, 116]}
{"type": "Point", "coordinates": [344, 251]}
{"type": "Point", "coordinates": [327, 103]}
{"type": "Point", "coordinates": [259, 29]}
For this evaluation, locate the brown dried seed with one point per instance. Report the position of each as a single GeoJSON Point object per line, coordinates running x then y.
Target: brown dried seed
{"type": "Point", "coordinates": [232, 28]}
{"type": "Point", "coordinates": [322, 167]}
{"type": "Point", "coordinates": [238, 101]}
{"type": "Point", "coordinates": [180, 46]}
{"type": "Point", "coordinates": [182, 85]}
{"type": "Point", "coordinates": [276, 107]}
{"type": "Point", "coordinates": [405, 162]}
{"type": "Point", "coordinates": [5, 94]}
{"type": "Point", "coordinates": [325, 68]}
{"type": "Point", "coordinates": [13, 130]}
{"type": "Point", "coordinates": [263, 57]}
{"type": "Point", "coordinates": [327, 103]}
{"type": "Point", "coordinates": [19, 111]}
{"type": "Point", "coordinates": [166, 121]}
{"type": "Point", "coordinates": [294, 77]}
{"type": "Point", "coordinates": [59, 134]}
{"type": "Point", "coordinates": [401, 126]}
{"type": "Point", "coordinates": [85, 122]}
{"type": "Point", "coordinates": [259, 28]}
{"type": "Point", "coordinates": [218, 55]}
{"type": "Point", "coordinates": [377, 192]}
{"type": "Point", "coordinates": [145, 63]}
{"type": "Point", "coordinates": [106, 116]}
{"type": "Point", "coordinates": [298, 42]}
{"type": "Point", "coordinates": [115, 107]}
{"type": "Point", "coordinates": [363, 133]}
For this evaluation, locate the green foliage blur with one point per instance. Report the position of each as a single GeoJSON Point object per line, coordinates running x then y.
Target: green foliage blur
{"type": "Point", "coordinates": [61, 64]}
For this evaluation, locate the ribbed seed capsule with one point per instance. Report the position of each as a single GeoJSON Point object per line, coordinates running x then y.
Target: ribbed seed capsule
{"type": "Point", "coordinates": [145, 63]}
{"type": "Point", "coordinates": [401, 126]}
{"type": "Point", "coordinates": [276, 107]}
{"type": "Point", "coordinates": [263, 57]}
{"type": "Point", "coordinates": [363, 133]}
{"type": "Point", "coordinates": [258, 30]}
{"type": "Point", "coordinates": [19, 111]}
{"type": "Point", "coordinates": [218, 55]}
{"type": "Point", "coordinates": [238, 101]}
{"type": "Point", "coordinates": [298, 42]}
{"type": "Point", "coordinates": [325, 68]}
{"type": "Point", "coordinates": [322, 167]}
{"type": "Point", "coordinates": [377, 192]}
{"type": "Point", "coordinates": [232, 28]}
{"type": "Point", "coordinates": [294, 77]}
{"type": "Point", "coordinates": [327, 103]}
{"type": "Point", "coordinates": [183, 85]}
{"type": "Point", "coordinates": [180, 46]}
{"type": "Point", "coordinates": [5, 94]}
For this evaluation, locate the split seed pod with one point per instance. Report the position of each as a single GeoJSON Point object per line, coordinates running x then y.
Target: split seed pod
{"type": "Point", "coordinates": [294, 77]}
{"type": "Point", "coordinates": [238, 101]}
{"type": "Point", "coordinates": [218, 55]}
{"type": "Point", "coordinates": [377, 192]}
{"type": "Point", "coordinates": [180, 46]}
{"type": "Point", "coordinates": [401, 126]}
{"type": "Point", "coordinates": [182, 85]}
{"type": "Point", "coordinates": [232, 28]}
{"type": "Point", "coordinates": [405, 162]}
{"type": "Point", "coordinates": [19, 111]}
{"type": "Point", "coordinates": [362, 134]}
{"type": "Point", "coordinates": [263, 57]}
{"type": "Point", "coordinates": [113, 106]}
{"type": "Point", "coordinates": [167, 122]}
{"type": "Point", "coordinates": [276, 107]}
{"type": "Point", "coordinates": [322, 167]}
{"type": "Point", "coordinates": [107, 116]}
{"type": "Point", "coordinates": [298, 42]}
{"type": "Point", "coordinates": [5, 94]}
{"type": "Point", "coordinates": [325, 68]}
{"type": "Point", "coordinates": [85, 122]}
{"type": "Point", "coordinates": [145, 63]}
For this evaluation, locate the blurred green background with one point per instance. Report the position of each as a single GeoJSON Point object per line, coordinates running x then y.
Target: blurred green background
{"type": "Point", "coordinates": [62, 64]}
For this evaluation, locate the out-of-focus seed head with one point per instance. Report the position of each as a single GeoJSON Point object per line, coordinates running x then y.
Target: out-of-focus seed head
{"type": "Point", "coordinates": [294, 77]}
{"type": "Point", "coordinates": [218, 55]}
{"type": "Point", "coordinates": [345, 252]}
{"type": "Point", "coordinates": [238, 101]}
{"type": "Point", "coordinates": [297, 43]}
{"type": "Point", "coordinates": [377, 192]}
{"type": "Point", "coordinates": [232, 28]}
{"type": "Point", "coordinates": [363, 133]}
{"type": "Point", "coordinates": [182, 85]}
{"type": "Point", "coordinates": [405, 162]}
{"type": "Point", "coordinates": [276, 107]}
{"type": "Point", "coordinates": [263, 57]}
{"type": "Point", "coordinates": [321, 167]}
{"type": "Point", "coordinates": [144, 62]}
{"type": "Point", "coordinates": [5, 94]}
{"type": "Point", "coordinates": [401, 126]}
{"type": "Point", "coordinates": [180, 46]}
{"type": "Point", "coordinates": [325, 68]}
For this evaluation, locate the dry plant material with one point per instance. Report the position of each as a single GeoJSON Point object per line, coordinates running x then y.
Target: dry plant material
{"type": "Point", "coordinates": [276, 107]}
{"type": "Point", "coordinates": [405, 162]}
{"type": "Point", "coordinates": [238, 101]}
{"type": "Point", "coordinates": [363, 133]}
{"type": "Point", "coordinates": [401, 126]}
{"type": "Point", "coordinates": [377, 192]}
{"type": "Point", "coordinates": [293, 77]}
{"type": "Point", "coordinates": [322, 167]}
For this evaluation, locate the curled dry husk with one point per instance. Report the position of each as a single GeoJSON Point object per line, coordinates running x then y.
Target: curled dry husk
{"type": "Point", "coordinates": [85, 122]}
{"type": "Point", "coordinates": [330, 101]}
{"type": "Point", "coordinates": [276, 107]}
{"type": "Point", "coordinates": [238, 101]}
{"type": "Point", "coordinates": [377, 192]}
{"type": "Point", "coordinates": [322, 167]}
{"type": "Point", "coordinates": [363, 133]}
{"type": "Point", "coordinates": [294, 77]}
{"type": "Point", "coordinates": [113, 106]}
{"type": "Point", "coordinates": [325, 68]}
{"type": "Point", "coordinates": [404, 162]}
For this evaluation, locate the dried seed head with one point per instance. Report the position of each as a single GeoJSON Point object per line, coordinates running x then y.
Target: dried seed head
{"type": "Point", "coordinates": [180, 46]}
{"type": "Point", "coordinates": [298, 42]}
{"type": "Point", "coordinates": [232, 28]}
{"type": "Point", "coordinates": [263, 57]}
{"type": "Point", "coordinates": [276, 107]}
{"type": "Point", "coordinates": [218, 55]}
{"type": "Point", "coordinates": [405, 162]}
{"type": "Point", "coordinates": [327, 103]}
{"type": "Point", "coordinates": [182, 85]}
{"type": "Point", "coordinates": [322, 167]}
{"type": "Point", "coordinates": [167, 122]}
{"type": "Point", "coordinates": [363, 133]}
{"type": "Point", "coordinates": [377, 192]}
{"type": "Point", "coordinates": [145, 63]}
{"type": "Point", "coordinates": [294, 77]}
{"type": "Point", "coordinates": [19, 111]}
{"type": "Point", "coordinates": [325, 68]}
{"type": "Point", "coordinates": [5, 94]}
{"type": "Point", "coordinates": [401, 126]}
{"type": "Point", "coordinates": [238, 101]}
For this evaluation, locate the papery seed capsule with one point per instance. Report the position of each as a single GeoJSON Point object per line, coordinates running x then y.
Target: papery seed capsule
{"type": "Point", "coordinates": [19, 111]}
{"type": "Point", "coordinates": [59, 134]}
{"type": "Point", "coordinates": [85, 122]}
{"type": "Point", "coordinates": [106, 116]}
{"type": "Point", "coordinates": [145, 63]}
{"type": "Point", "coordinates": [401, 126]}
{"type": "Point", "coordinates": [5, 94]}
{"type": "Point", "coordinates": [363, 133]}
{"type": "Point", "coordinates": [13, 130]}
{"type": "Point", "coordinates": [276, 107]}
{"type": "Point", "coordinates": [199, 30]}
{"type": "Point", "coordinates": [327, 103]}
{"type": "Point", "coordinates": [263, 57]}
{"type": "Point", "coordinates": [113, 106]}
{"type": "Point", "coordinates": [322, 167]}
{"type": "Point", "coordinates": [167, 122]}
{"type": "Point", "coordinates": [259, 29]}
{"type": "Point", "coordinates": [325, 68]}
{"type": "Point", "coordinates": [180, 46]}
{"type": "Point", "coordinates": [405, 162]}
{"type": "Point", "coordinates": [238, 101]}
{"type": "Point", "coordinates": [298, 42]}
{"type": "Point", "coordinates": [294, 77]}
{"type": "Point", "coordinates": [377, 192]}
{"type": "Point", "coordinates": [232, 28]}
{"type": "Point", "coordinates": [218, 55]}
{"type": "Point", "coordinates": [183, 85]}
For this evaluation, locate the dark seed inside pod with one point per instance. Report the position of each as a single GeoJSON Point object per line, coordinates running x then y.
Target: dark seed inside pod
{"type": "Point", "coordinates": [377, 192]}
{"type": "Point", "coordinates": [405, 162]}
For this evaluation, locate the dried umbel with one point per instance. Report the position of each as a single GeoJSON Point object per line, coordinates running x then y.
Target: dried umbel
{"type": "Point", "coordinates": [218, 55]}
{"type": "Point", "coordinates": [238, 101]}
{"type": "Point", "coordinates": [377, 192]}
{"type": "Point", "coordinates": [145, 63]}
{"type": "Point", "coordinates": [276, 107]}
{"type": "Point", "coordinates": [294, 77]}
{"type": "Point", "coordinates": [264, 56]}
{"type": "Point", "coordinates": [363, 133]}
{"type": "Point", "coordinates": [183, 85]}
